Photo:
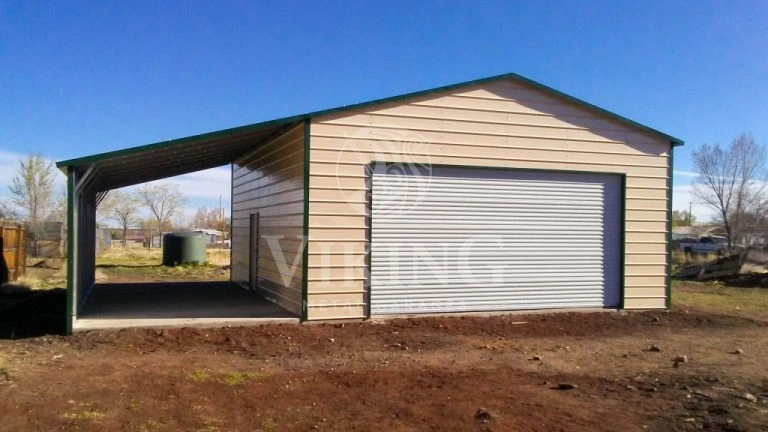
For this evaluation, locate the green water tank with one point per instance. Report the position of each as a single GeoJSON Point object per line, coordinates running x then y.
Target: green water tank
{"type": "Point", "coordinates": [183, 248]}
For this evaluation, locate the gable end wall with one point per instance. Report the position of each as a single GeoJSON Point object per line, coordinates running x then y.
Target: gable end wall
{"type": "Point", "coordinates": [503, 124]}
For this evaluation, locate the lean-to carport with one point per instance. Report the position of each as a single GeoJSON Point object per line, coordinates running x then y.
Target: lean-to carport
{"type": "Point", "coordinates": [314, 226]}
{"type": "Point", "coordinates": [90, 178]}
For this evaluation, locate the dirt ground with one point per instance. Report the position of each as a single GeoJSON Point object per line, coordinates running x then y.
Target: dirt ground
{"type": "Point", "coordinates": [497, 373]}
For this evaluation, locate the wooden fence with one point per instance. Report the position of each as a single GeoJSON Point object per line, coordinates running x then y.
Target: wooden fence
{"type": "Point", "coordinates": [13, 243]}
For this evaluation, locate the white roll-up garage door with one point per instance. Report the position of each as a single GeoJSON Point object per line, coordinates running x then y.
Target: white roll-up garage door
{"type": "Point", "coordinates": [456, 239]}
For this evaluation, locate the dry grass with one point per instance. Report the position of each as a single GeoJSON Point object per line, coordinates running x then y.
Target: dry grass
{"type": "Point", "coordinates": [123, 264]}
{"type": "Point", "coordinates": [129, 257]}
{"type": "Point", "coordinates": [42, 274]}
{"type": "Point", "coordinates": [88, 414]}
{"type": "Point", "coordinates": [681, 259]}
{"type": "Point", "coordinates": [218, 257]}
{"type": "Point", "coordinates": [719, 298]}
{"type": "Point", "coordinates": [230, 379]}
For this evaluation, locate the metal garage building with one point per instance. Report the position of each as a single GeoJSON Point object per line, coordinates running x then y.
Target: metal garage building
{"type": "Point", "coordinates": [494, 194]}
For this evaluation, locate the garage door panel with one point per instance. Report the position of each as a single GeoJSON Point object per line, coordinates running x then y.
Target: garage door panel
{"type": "Point", "coordinates": [473, 240]}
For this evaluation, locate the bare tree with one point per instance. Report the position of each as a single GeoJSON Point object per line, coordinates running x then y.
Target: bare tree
{"type": "Point", "coordinates": [6, 210]}
{"type": "Point", "coordinates": [123, 208]}
{"type": "Point", "coordinates": [32, 191]}
{"type": "Point", "coordinates": [729, 181]}
{"type": "Point", "coordinates": [211, 219]}
{"type": "Point", "coordinates": [164, 201]}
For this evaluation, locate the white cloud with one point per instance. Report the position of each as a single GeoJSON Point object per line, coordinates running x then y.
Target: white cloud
{"type": "Point", "coordinates": [205, 185]}
{"type": "Point", "coordinates": [692, 174]}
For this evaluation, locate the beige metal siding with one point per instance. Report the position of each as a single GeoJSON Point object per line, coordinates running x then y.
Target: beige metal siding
{"type": "Point", "coordinates": [270, 181]}
{"type": "Point", "coordinates": [497, 124]}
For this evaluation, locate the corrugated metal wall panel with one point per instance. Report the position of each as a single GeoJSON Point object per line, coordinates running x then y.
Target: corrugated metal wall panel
{"type": "Point", "coordinates": [479, 240]}
{"type": "Point", "coordinates": [270, 181]}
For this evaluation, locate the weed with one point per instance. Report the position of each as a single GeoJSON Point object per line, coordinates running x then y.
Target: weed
{"type": "Point", "coordinates": [210, 426]}
{"type": "Point", "coordinates": [5, 375]}
{"type": "Point", "coordinates": [88, 414]}
{"type": "Point", "coordinates": [199, 376]}
{"type": "Point", "coordinates": [237, 378]}
{"type": "Point", "coordinates": [150, 426]}
{"type": "Point", "coordinates": [268, 425]}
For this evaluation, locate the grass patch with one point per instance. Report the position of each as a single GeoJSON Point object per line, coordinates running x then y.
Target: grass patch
{"type": "Point", "coordinates": [230, 379]}
{"type": "Point", "coordinates": [119, 263]}
{"type": "Point", "coordinates": [43, 274]}
{"type": "Point", "coordinates": [150, 426]}
{"type": "Point", "coordinates": [268, 425]}
{"type": "Point", "coordinates": [89, 414]}
{"type": "Point", "coordinates": [720, 298]}
{"type": "Point", "coordinates": [129, 257]}
{"type": "Point", "coordinates": [199, 376]}
{"type": "Point", "coordinates": [237, 378]}
{"type": "Point", "coordinates": [5, 375]}
{"type": "Point", "coordinates": [218, 257]}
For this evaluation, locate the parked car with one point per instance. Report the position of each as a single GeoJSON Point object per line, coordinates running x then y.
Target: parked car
{"type": "Point", "coordinates": [703, 245]}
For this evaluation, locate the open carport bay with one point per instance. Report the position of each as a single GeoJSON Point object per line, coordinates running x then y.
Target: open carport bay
{"type": "Point", "coordinates": [121, 305]}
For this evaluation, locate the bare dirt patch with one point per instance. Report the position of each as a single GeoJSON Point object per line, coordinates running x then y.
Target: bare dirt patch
{"type": "Point", "coordinates": [442, 373]}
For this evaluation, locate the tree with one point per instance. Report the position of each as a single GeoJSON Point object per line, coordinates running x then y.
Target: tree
{"type": "Point", "coordinates": [6, 210]}
{"type": "Point", "coordinates": [729, 181]}
{"type": "Point", "coordinates": [123, 208]}
{"type": "Point", "coordinates": [32, 191]}
{"type": "Point", "coordinates": [211, 219]}
{"type": "Point", "coordinates": [164, 201]}
{"type": "Point", "coordinates": [682, 218]}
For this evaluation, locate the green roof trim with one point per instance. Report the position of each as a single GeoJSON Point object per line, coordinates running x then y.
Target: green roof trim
{"type": "Point", "coordinates": [302, 117]}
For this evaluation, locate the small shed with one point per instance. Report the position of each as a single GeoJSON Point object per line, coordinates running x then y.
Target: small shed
{"type": "Point", "coordinates": [489, 195]}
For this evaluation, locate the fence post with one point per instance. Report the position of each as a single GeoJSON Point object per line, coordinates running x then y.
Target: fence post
{"type": "Point", "coordinates": [17, 250]}
{"type": "Point", "coordinates": [5, 271]}
{"type": "Point", "coordinates": [21, 252]}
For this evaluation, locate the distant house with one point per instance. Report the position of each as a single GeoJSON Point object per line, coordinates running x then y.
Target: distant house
{"type": "Point", "coordinates": [213, 238]}
{"type": "Point", "coordinates": [134, 237]}
{"type": "Point", "coordinates": [135, 240]}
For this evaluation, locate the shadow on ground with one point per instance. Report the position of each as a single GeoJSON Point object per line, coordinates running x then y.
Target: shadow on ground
{"type": "Point", "coordinates": [747, 281]}
{"type": "Point", "coordinates": [171, 300]}
{"type": "Point", "coordinates": [28, 313]}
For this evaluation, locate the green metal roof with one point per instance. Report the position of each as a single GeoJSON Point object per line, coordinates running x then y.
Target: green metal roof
{"type": "Point", "coordinates": [184, 155]}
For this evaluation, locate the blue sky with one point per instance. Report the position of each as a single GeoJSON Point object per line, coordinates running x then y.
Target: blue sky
{"type": "Point", "coordinates": [78, 78]}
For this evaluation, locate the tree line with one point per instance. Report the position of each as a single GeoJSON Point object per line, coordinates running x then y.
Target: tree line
{"type": "Point", "coordinates": [152, 206]}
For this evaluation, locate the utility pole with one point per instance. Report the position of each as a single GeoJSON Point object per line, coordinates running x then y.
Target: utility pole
{"type": "Point", "coordinates": [690, 209]}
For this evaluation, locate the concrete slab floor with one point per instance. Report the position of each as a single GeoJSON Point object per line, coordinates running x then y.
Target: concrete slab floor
{"type": "Point", "coordinates": [176, 304]}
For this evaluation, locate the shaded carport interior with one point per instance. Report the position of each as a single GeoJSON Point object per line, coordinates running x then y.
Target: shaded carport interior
{"type": "Point", "coordinates": [90, 178]}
